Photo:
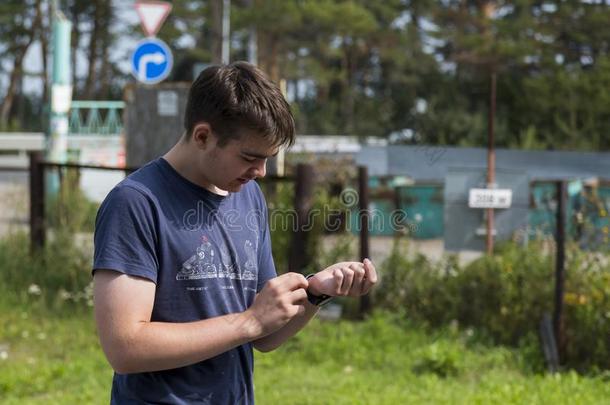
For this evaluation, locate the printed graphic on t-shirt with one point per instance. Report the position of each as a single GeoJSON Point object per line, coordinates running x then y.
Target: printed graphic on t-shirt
{"type": "Point", "coordinates": [202, 264]}
{"type": "Point", "coordinates": [250, 266]}
{"type": "Point", "coordinates": [227, 265]}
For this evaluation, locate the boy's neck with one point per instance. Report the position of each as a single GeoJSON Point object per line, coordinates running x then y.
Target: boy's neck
{"type": "Point", "coordinates": [183, 159]}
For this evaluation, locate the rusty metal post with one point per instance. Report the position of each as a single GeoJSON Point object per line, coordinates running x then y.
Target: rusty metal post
{"type": "Point", "coordinates": [397, 207]}
{"type": "Point", "coordinates": [335, 222]}
{"type": "Point", "coordinates": [560, 239]}
{"type": "Point", "coordinates": [364, 214]}
{"type": "Point", "coordinates": [299, 257]}
{"type": "Point", "coordinates": [37, 203]}
{"type": "Point", "coordinates": [491, 161]}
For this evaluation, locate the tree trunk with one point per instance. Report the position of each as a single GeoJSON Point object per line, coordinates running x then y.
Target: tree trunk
{"type": "Point", "coordinates": [75, 40]}
{"type": "Point", "coordinates": [274, 59]}
{"type": "Point", "coordinates": [93, 52]}
{"type": "Point", "coordinates": [105, 76]}
{"type": "Point", "coordinates": [17, 72]}
{"type": "Point", "coordinates": [216, 30]}
{"type": "Point", "coordinates": [268, 55]}
{"type": "Point", "coordinates": [105, 71]}
{"type": "Point", "coordinates": [7, 103]}
{"type": "Point", "coordinates": [348, 96]}
{"type": "Point", "coordinates": [44, 50]}
{"type": "Point", "coordinates": [261, 39]}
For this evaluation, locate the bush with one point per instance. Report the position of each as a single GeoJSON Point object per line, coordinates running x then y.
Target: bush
{"type": "Point", "coordinates": [507, 293]}
{"type": "Point", "coordinates": [59, 274]}
{"type": "Point", "coordinates": [281, 222]}
{"type": "Point", "coordinates": [439, 359]}
{"type": "Point", "coordinates": [421, 288]}
{"type": "Point", "coordinates": [70, 210]}
{"type": "Point", "coordinates": [55, 276]}
{"type": "Point", "coordinates": [505, 296]}
{"type": "Point", "coordinates": [587, 310]}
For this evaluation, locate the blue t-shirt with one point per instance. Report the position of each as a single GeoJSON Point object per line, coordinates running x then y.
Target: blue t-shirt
{"type": "Point", "coordinates": [208, 256]}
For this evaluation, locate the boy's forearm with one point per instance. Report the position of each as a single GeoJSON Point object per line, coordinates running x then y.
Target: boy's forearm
{"type": "Point", "coordinates": [154, 346]}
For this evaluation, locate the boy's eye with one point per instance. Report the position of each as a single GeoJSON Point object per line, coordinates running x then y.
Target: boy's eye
{"type": "Point", "coordinates": [248, 159]}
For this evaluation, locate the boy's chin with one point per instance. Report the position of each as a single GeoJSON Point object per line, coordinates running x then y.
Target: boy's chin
{"type": "Point", "coordinates": [234, 187]}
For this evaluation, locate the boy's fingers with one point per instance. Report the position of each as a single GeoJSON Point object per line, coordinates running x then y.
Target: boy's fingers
{"type": "Point", "coordinates": [370, 276]}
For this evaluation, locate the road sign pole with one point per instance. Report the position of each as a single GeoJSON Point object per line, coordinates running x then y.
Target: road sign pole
{"type": "Point", "coordinates": [61, 89]}
{"type": "Point", "coordinates": [61, 96]}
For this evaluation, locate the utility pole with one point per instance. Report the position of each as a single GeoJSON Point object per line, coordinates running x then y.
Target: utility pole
{"type": "Point", "coordinates": [488, 8]}
{"type": "Point", "coordinates": [226, 31]}
{"type": "Point", "coordinates": [61, 87]}
{"type": "Point", "coordinates": [252, 40]}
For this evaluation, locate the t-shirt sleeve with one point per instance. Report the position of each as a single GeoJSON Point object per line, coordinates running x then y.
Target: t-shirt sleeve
{"type": "Point", "coordinates": [266, 265]}
{"type": "Point", "coordinates": [125, 234]}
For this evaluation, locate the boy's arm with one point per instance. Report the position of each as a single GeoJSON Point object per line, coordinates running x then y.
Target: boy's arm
{"type": "Point", "coordinates": [342, 279]}
{"type": "Point", "coordinates": [133, 343]}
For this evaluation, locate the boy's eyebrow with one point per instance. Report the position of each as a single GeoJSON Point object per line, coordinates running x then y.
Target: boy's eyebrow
{"type": "Point", "coordinates": [258, 155]}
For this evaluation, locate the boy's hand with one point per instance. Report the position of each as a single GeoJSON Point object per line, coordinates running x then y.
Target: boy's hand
{"type": "Point", "coordinates": [346, 278]}
{"type": "Point", "coordinates": [281, 299]}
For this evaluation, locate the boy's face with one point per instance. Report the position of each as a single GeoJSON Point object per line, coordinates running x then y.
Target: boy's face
{"type": "Point", "coordinates": [231, 166]}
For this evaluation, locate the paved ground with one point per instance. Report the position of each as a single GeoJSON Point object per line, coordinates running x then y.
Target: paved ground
{"type": "Point", "coordinates": [14, 195]}
{"type": "Point", "coordinates": [14, 201]}
{"type": "Point", "coordinates": [381, 247]}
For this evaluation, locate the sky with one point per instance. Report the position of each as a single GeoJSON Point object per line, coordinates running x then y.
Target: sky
{"type": "Point", "coordinates": [126, 15]}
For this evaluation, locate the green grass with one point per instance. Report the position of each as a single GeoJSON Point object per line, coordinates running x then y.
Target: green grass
{"type": "Point", "coordinates": [53, 357]}
{"type": "Point", "coordinates": [385, 361]}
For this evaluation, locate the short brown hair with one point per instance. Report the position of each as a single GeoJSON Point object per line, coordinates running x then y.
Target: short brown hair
{"type": "Point", "coordinates": [236, 97]}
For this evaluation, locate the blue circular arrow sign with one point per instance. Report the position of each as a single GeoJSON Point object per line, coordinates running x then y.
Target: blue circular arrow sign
{"type": "Point", "coordinates": [151, 62]}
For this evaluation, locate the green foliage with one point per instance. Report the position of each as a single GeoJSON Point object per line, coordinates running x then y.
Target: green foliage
{"type": "Point", "coordinates": [506, 296]}
{"type": "Point", "coordinates": [16, 23]}
{"type": "Point", "coordinates": [438, 359]}
{"type": "Point", "coordinates": [49, 343]}
{"type": "Point", "coordinates": [366, 67]}
{"type": "Point", "coordinates": [507, 293]}
{"type": "Point", "coordinates": [50, 356]}
{"type": "Point", "coordinates": [587, 309]}
{"type": "Point", "coordinates": [58, 275]}
{"type": "Point", "coordinates": [341, 250]}
{"type": "Point", "coordinates": [281, 221]}
{"type": "Point", "coordinates": [387, 360]}
{"type": "Point", "coordinates": [70, 210]}
{"type": "Point", "coordinates": [54, 357]}
{"type": "Point", "coordinates": [324, 205]}
{"type": "Point", "coordinates": [565, 107]}
{"type": "Point", "coordinates": [417, 286]}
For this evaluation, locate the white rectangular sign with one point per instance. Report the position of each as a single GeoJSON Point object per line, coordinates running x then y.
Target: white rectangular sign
{"type": "Point", "coordinates": [61, 98]}
{"type": "Point", "coordinates": [167, 103]}
{"type": "Point", "coordinates": [490, 198]}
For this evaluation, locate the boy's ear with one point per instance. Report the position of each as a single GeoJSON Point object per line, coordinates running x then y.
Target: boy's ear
{"type": "Point", "coordinates": [202, 135]}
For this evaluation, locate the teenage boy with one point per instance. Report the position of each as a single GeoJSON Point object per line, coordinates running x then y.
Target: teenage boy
{"type": "Point", "coordinates": [184, 281]}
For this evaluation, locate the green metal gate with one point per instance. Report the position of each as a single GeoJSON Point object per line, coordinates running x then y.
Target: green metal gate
{"type": "Point", "coordinates": [423, 205]}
